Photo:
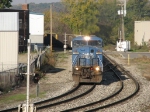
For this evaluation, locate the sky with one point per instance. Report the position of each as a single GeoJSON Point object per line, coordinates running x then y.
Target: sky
{"type": "Point", "coordinates": [15, 2]}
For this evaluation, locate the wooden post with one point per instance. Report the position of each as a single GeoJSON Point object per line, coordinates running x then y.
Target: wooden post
{"type": "Point", "coordinates": [128, 59]}
{"type": "Point", "coordinates": [37, 89]}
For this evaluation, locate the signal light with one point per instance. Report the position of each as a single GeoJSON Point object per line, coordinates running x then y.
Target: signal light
{"type": "Point", "coordinates": [36, 78]}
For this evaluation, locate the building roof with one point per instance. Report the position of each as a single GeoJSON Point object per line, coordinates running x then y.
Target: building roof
{"type": "Point", "coordinates": [36, 13]}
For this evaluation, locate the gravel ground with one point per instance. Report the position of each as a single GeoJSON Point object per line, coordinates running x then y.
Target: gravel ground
{"type": "Point", "coordinates": [59, 82]}
{"type": "Point", "coordinates": [141, 100]}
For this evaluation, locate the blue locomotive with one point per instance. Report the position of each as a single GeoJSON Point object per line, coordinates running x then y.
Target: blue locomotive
{"type": "Point", "coordinates": [87, 59]}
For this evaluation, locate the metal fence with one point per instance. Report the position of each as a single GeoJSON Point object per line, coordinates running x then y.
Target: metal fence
{"type": "Point", "coordinates": [8, 78]}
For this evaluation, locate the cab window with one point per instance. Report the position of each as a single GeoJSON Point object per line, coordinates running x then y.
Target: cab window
{"type": "Point", "coordinates": [79, 43]}
{"type": "Point", "coordinates": [96, 43]}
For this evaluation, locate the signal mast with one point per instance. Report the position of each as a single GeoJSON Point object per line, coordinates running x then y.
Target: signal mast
{"type": "Point", "coordinates": [122, 44]}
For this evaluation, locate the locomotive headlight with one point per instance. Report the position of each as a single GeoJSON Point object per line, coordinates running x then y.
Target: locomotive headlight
{"type": "Point", "coordinates": [97, 68]}
{"type": "Point", "coordinates": [87, 38]}
{"type": "Point", "coordinates": [77, 68]}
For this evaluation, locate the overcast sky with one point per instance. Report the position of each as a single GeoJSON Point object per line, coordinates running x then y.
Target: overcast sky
{"type": "Point", "coordinates": [15, 2]}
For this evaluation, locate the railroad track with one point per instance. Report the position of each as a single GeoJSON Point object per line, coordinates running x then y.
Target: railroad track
{"type": "Point", "coordinates": [79, 91]}
{"type": "Point", "coordinates": [125, 81]}
{"type": "Point", "coordinates": [115, 76]}
{"type": "Point", "coordinates": [69, 97]}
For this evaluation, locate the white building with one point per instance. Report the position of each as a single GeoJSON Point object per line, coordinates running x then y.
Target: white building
{"type": "Point", "coordinates": [9, 36]}
{"type": "Point", "coordinates": [141, 32]}
{"type": "Point", "coordinates": [36, 29]}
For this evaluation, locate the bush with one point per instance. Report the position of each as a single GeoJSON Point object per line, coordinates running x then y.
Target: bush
{"type": "Point", "coordinates": [142, 48]}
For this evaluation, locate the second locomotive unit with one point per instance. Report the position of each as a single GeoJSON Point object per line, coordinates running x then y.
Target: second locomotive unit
{"type": "Point", "coordinates": [87, 59]}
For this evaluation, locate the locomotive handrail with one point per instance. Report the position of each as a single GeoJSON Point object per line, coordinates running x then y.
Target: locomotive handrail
{"type": "Point", "coordinates": [101, 63]}
{"type": "Point", "coordinates": [75, 60]}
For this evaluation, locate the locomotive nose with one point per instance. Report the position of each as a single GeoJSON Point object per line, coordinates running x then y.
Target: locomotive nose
{"type": "Point", "coordinates": [87, 55]}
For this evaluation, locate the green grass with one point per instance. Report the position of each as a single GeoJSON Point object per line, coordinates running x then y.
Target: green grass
{"type": "Point", "coordinates": [110, 47]}
{"type": "Point", "coordinates": [19, 97]}
{"type": "Point", "coordinates": [62, 55]}
{"type": "Point", "coordinates": [144, 48]}
{"type": "Point", "coordinates": [12, 98]}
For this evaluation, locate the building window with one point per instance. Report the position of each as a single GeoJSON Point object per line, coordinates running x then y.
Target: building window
{"type": "Point", "coordinates": [20, 24]}
{"type": "Point", "coordinates": [21, 40]}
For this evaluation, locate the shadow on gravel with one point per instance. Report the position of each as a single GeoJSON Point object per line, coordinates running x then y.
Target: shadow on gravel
{"type": "Point", "coordinates": [56, 70]}
{"type": "Point", "coordinates": [87, 83]}
{"type": "Point", "coordinates": [109, 76]}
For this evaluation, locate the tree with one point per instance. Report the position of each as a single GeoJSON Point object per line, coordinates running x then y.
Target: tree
{"type": "Point", "coordinates": [58, 26]}
{"type": "Point", "coordinates": [82, 15]}
{"type": "Point", "coordinates": [108, 21]}
{"type": "Point", "coordinates": [5, 4]}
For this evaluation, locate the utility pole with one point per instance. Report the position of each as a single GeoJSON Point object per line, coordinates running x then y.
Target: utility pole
{"type": "Point", "coordinates": [122, 13]}
{"type": "Point", "coordinates": [51, 29]}
{"type": "Point", "coordinates": [65, 46]}
{"type": "Point", "coordinates": [24, 25]}
{"type": "Point", "coordinates": [122, 9]}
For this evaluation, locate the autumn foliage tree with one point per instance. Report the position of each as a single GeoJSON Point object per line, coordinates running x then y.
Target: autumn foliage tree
{"type": "Point", "coordinates": [81, 16]}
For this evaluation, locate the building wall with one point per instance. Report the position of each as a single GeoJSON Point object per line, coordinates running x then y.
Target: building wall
{"type": "Point", "coordinates": [35, 39]}
{"type": "Point", "coordinates": [9, 36]}
{"type": "Point", "coordinates": [141, 32]}
{"type": "Point", "coordinates": [8, 50]}
{"type": "Point", "coordinates": [23, 25]}
{"type": "Point", "coordinates": [9, 21]}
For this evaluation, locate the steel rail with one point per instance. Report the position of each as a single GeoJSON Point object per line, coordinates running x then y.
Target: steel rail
{"type": "Point", "coordinates": [67, 100]}
{"type": "Point", "coordinates": [57, 97]}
